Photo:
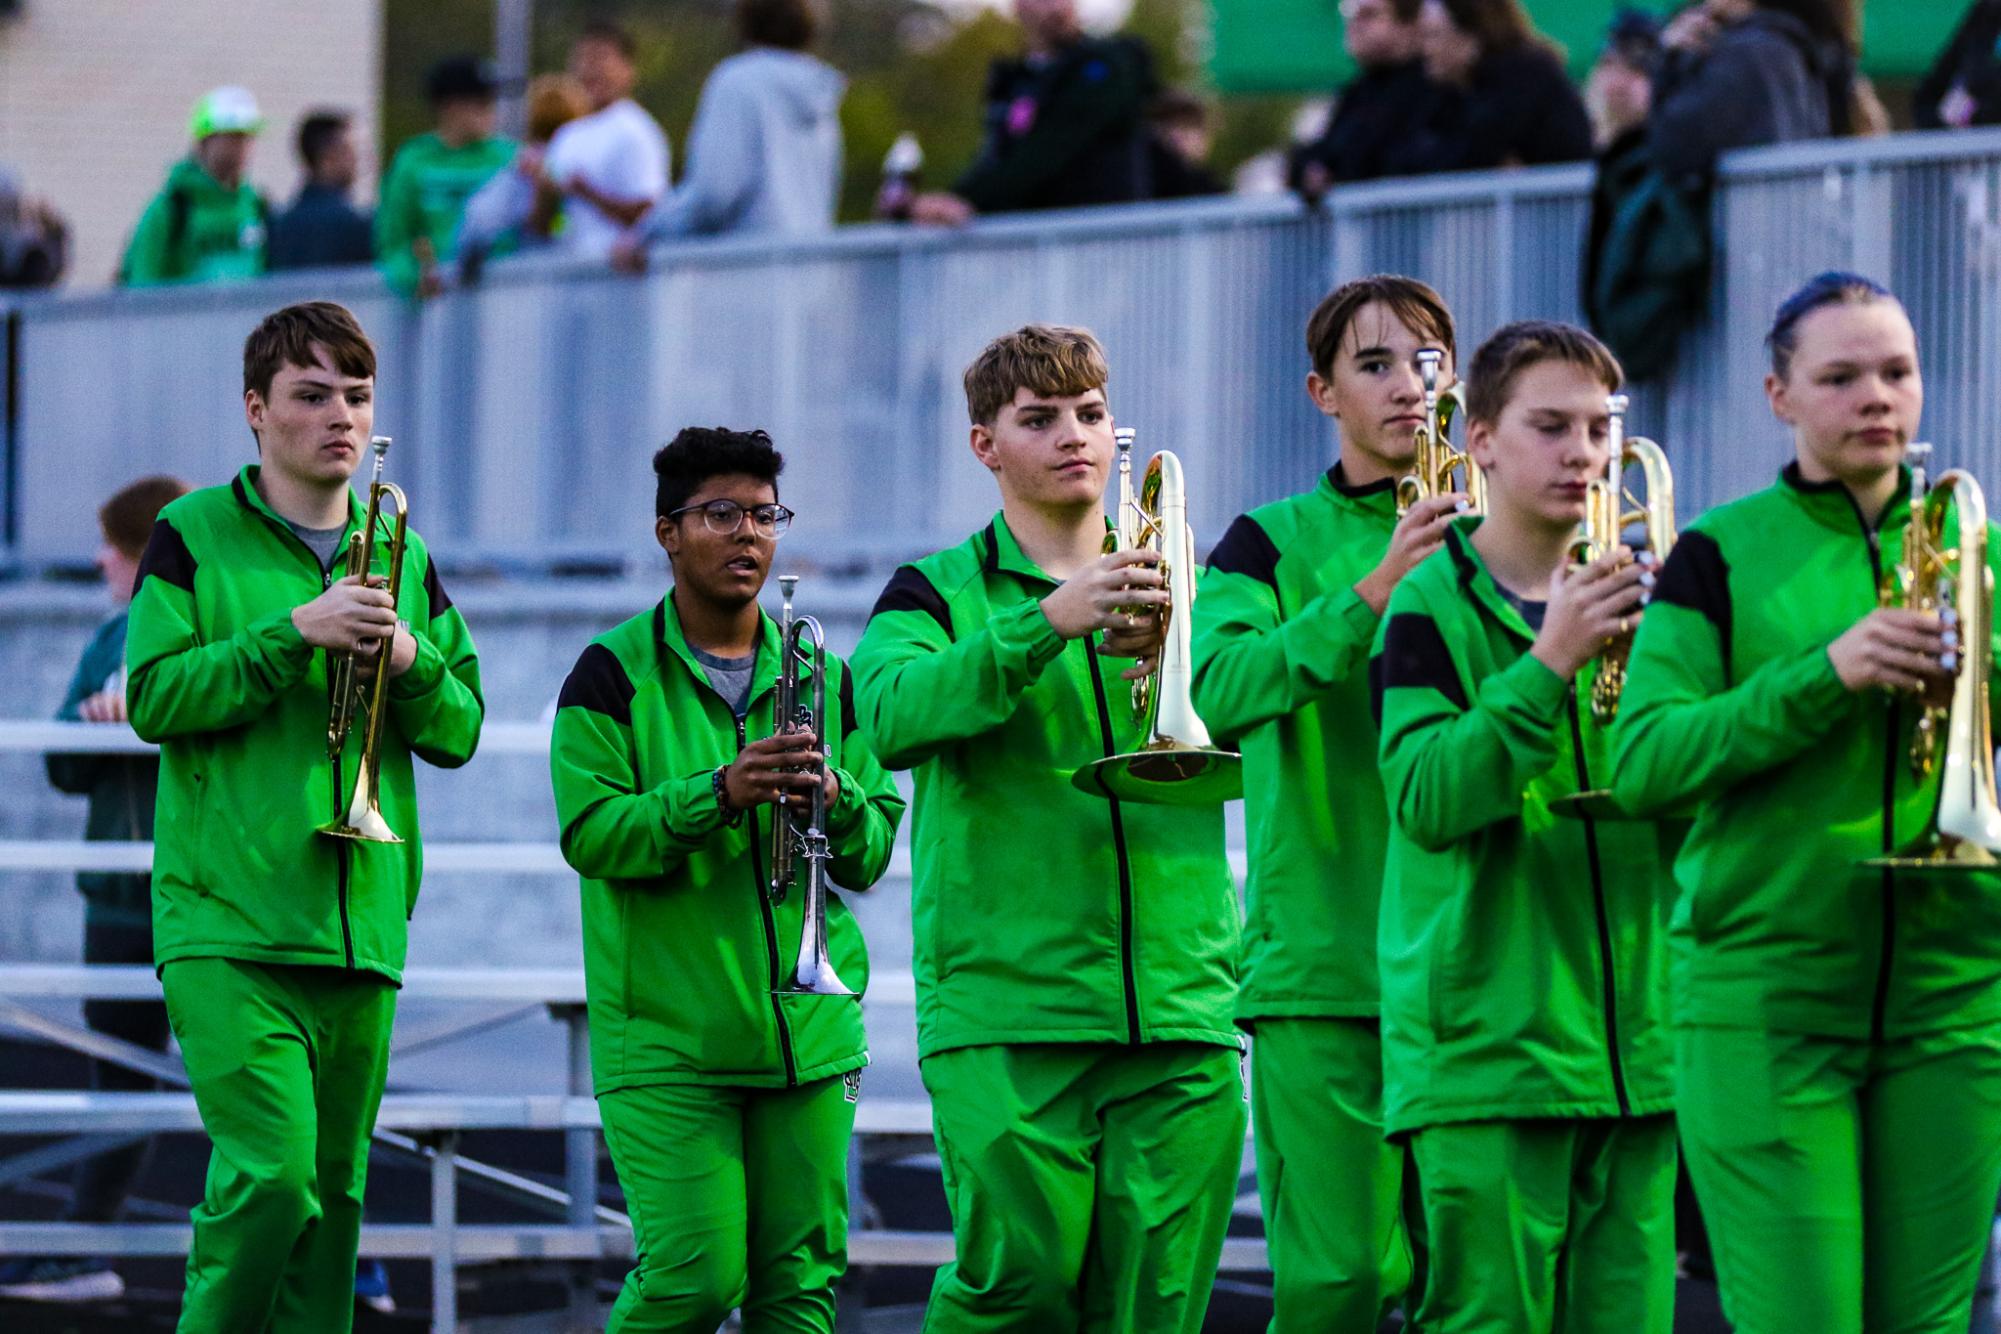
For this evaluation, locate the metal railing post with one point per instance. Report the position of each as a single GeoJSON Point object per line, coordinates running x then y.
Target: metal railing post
{"type": "Point", "coordinates": [444, 1236]}
{"type": "Point", "coordinates": [580, 1162]}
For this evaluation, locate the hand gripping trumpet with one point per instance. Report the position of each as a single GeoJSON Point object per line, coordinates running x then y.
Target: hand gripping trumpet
{"type": "Point", "coordinates": [1179, 765]}
{"type": "Point", "coordinates": [1606, 519]}
{"type": "Point", "coordinates": [1954, 582]}
{"type": "Point", "coordinates": [1437, 461]}
{"type": "Point", "coordinates": [1609, 510]}
{"type": "Point", "coordinates": [363, 819]}
{"type": "Point", "coordinates": [795, 839]}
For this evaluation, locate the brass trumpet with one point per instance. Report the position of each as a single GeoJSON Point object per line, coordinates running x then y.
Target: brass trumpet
{"type": "Point", "coordinates": [363, 818]}
{"type": "Point", "coordinates": [1965, 829]}
{"type": "Point", "coordinates": [795, 839]}
{"type": "Point", "coordinates": [1606, 518]}
{"type": "Point", "coordinates": [1609, 510]}
{"type": "Point", "coordinates": [1437, 461]}
{"type": "Point", "coordinates": [1179, 765]}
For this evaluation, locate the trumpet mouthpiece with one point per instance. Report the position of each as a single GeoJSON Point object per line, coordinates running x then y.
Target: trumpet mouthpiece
{"type": "Point", "coordinates": [1124, 437]}
{"type": "Point", "coordinates": [380, 443]}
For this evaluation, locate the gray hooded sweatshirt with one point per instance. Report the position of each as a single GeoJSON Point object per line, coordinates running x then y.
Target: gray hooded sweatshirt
{"type": "Point", "coordinates": [764, 155]}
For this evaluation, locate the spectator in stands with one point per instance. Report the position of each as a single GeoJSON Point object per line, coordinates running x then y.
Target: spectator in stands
{"type": "Point", "coordinates": [511, 212]}
{"type": "Point", "coordinates": [1964, 87]}
{"type": "Point", "coordinates": [1380, 115]}
{"type": "Point", "coordinates": [765, 152]}
{"type": "Point", "coordinates": [208, 223]}
{"type": "Point", "coordinates": [323, 228]}
{"type": "Point", "coordinates": [1619, 91]}
{"type": "Point", "coordinates": [435, 174]}
{"type": "Point", "coordinates": [1738, 75]}
{"type": "Point", "coordinates": [1178, 150]}
{"type": "Point", "coordinates": [1508, 101]}
{"type": "Point", "coordinates": [1066, 123]}
{"type": "Point", "coordinates": [611, 166]}
{"type": "Point", "coordinates": [34, 238]}
{"type": "Point", "coordinates": [117, 906]}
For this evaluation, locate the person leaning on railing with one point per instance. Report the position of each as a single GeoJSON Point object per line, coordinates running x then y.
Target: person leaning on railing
{"type": "Point", "coordinates": [117, 905]}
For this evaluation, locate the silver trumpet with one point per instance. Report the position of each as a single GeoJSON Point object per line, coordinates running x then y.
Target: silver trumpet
{"type": "Point", "coordinates": [796, 839]}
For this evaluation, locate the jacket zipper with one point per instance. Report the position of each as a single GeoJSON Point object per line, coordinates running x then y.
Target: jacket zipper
{"type": "Point", "coordinates": [338, 762]}
{"type": "Point", "coordinates": [1892, 717]}
{"type": "Point", "coordinates": [763, 893]}
{"type": "Point", "coordinates": [1118, 850]}
{"type": "Point", "coordinates": [1606, 971]}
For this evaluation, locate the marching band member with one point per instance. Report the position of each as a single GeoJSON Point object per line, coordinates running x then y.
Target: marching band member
{"type": "Point", "coordinates": [280, 951]}
{"type": "Point", "coordinates": [1289, 608]}
{"type": "Point", "coordinates": [727, 1108]}
{"type": "Point", "coordinates": [1525, 1058]}
{"type": "Point", "coordinates": [1838, 1026]}
{"type": "Point", "coordinates": [1075, 957]}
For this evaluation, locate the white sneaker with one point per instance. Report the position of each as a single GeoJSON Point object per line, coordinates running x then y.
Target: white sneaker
{"type": "Point", "coordinates": [62, 1281]}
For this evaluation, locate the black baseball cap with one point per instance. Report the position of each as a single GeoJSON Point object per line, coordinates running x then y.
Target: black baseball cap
{"type": "Point", "coordinates": [462, 78]}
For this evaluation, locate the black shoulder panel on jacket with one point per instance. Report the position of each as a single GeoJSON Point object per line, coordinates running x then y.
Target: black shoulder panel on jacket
{"type": "Point", "coordinates": [1414, 654]}
{"type": "Point", "coordinates": [598, 682]}
{"type": "Point", "coordinates": [1697, 577]}
{"type": "Point", "coordinates": [1247, 549]}
{"type": "Point", "coordinates": [909, 590]}
{"type": "Point", "coordinates": [167, 557]}
{"type": "Point", "coordinates": [847, 696]}
{"type": "Point", "coordinates": [434, 590]}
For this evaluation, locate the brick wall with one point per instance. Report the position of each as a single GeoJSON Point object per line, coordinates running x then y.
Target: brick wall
{"type": "Point", "coordinates": [95, 96]}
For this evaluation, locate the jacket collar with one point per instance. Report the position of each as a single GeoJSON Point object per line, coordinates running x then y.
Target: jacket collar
{"type": "Point", "coordinates": [244, 488]}
{"type": "Point", "coordinates": [1335, 481]}
{"type": "Point", "coordinates": [1476, 581]}
{"type": "Point", "coordinates": [1831, 504]}
{"type": "Point", "coordinates": [1000, 553]}
{"type": "Point", "coordinates": [673, 641]}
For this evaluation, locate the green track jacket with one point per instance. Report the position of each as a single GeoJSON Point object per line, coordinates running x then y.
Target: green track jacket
{"type": "Point", "coordinates": [197, 230]}
{"type": "Point", "coordinates": [219, 676]}
{"type": "Point", "coordinates": [1523, 954]}
{"type": "Point", "coordinates": [1281, 668]}
{"type": "Point", "coordinates": [682, 943]}
{"type": "Point", "coordinates": [1040, 913]}
{"type": "Point", "coordinates": [424, 197]}
{"type": "Point", "coordinates": [1732, 706]}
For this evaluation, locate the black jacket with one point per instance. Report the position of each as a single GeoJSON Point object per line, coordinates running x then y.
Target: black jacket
{"type": "Point", "coordinates": [321, 229]}
{"type": "Point", "coordinates": [1518, 108]}
{"type": "Point", "coordinates": [1767, 80]}
{"type": "Point", "coordinates": [1971, 59]}
{"type": "Point", "coordinates": [1375, 126]}
{"type": "Point", "coordinates": [1065, 132]}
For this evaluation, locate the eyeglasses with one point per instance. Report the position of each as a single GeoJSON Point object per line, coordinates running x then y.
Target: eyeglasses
{"type": "Point", "coordinates": [724, 517]}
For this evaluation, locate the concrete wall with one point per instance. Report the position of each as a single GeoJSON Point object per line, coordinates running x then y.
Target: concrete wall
{"type": "Point", "coordinates": [95, 96]}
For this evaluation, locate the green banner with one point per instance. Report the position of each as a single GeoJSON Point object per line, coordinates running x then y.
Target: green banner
{"type": "Point", "coordinates": [1294, 46]}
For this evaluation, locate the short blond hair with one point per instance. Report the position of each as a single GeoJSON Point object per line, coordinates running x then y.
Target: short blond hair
{"type": "Point", "coordinates": [1053, 359]}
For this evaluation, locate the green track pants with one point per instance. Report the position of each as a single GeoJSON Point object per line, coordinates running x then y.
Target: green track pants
{"type": "Point", "coordinates": [1548, 1226]}
{"type": "Point", "coordinates": [287, 1065]}
{"type": "Point", "coordinates": [738, 1197]}
{"type": "Point", "coordinates": [1846, 1186]}
{"type": "Point", "coordinates": [1090, 1184]}
{"type": "Point", "coordinates": [1333, 1188]}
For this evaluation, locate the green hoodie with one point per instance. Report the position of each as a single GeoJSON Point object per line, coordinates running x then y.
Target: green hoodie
{"type": "Point", "coordinates": [197, 230]}
{"type": "Point", "coordinates": [220, 677]}
{"type": "Point", "coordinates": [1523, 954]}
{"type": "Point", "coordinates": [425, 195]}
{"type": "Point", "coordinates": [682, 943]}
{"type": "Point", "coordinates": [1733, 706]}
{"type": "Point", "coordinates": [1281, 665]}
{"type": "Point", "coordinates": [1039, 913]}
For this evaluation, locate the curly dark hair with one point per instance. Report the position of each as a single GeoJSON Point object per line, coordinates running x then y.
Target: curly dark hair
{"type": "Point", "coordinates": [701, 452]}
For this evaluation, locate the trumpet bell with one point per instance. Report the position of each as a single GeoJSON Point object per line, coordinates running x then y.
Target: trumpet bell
{"type": "Point", "coordinates": [364, 822]}
{"type": "Point", "coordinates": [814, 979]}
{"type": "Point", "coordinates": [1165, 774]}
